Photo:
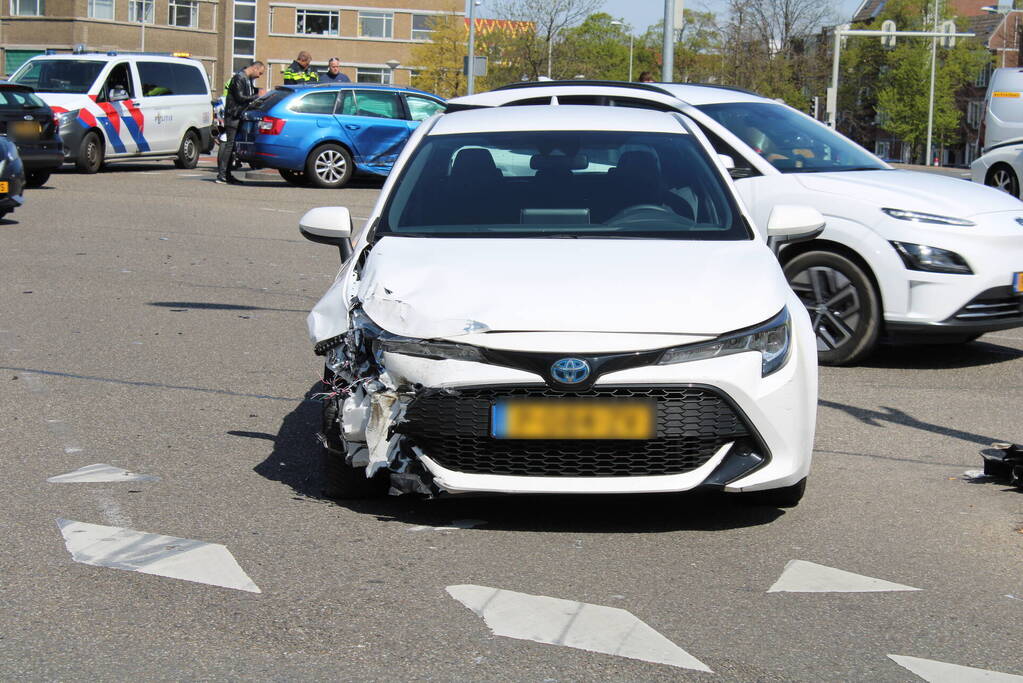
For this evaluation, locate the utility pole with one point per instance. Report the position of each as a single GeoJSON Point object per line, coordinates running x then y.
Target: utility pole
{"type": "Point", "coordinates": [472, 47]}
{"type": "Point", "coordinates": [668, 47]}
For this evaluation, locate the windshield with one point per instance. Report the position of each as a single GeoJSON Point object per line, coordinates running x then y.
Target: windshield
{"type": "Point", "coordinates": [19, 99]}
{"type": "Point", "coordinates": [792, 143]}
{"type": "Point", "coordinates": [59, 75]}
{"type": "Point", "coordinates": [563, 184]}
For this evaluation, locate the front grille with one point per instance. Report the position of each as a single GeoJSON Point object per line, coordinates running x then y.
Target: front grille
{"type": "Point", "coordinates": [999, 303]}
{"type": "Point", "coordinates": [454, 430]}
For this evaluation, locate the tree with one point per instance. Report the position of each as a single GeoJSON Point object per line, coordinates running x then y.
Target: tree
{"type": "Point", "coordinates": [533, 52]}
{"type": "Point", "coordinates": [596, 49]}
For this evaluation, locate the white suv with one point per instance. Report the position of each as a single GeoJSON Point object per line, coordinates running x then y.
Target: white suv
{"type": "Point", "coordinates": [564, 300]}
{"type": "Point", "coordinates": [904, 254]}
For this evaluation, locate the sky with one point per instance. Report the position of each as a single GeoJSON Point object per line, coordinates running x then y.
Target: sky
{"type": "Point", "coordinates": [643, 13]}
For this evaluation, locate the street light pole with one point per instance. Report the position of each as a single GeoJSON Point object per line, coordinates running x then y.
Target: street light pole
{"type": "Point", "coordinates": [550, 50]}
{"type": "Point", "coordinates": [472, 47]}
{"type": "Point", "coordinates": [930, 101]}
{"type": "Point", "coordinates": [632, 38]}
{"type": "Point", "coordinates": [668, 45]}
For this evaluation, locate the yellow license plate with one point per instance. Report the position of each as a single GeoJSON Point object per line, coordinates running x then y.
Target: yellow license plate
{"type": "Point", "coordinates": [3, 187]}
{"type": "Point", "coordinates": [26, 129]}
{"type": "Point", "coordinates": [573, 419]}
{"type": "Point", "coordinates": [1017, 283]}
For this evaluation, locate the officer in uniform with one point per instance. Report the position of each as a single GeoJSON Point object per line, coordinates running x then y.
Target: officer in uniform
{"type": "Point", "coordinates": [299, 73]}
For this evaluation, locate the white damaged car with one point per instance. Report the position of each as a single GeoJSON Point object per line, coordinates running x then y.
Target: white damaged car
{"type": "Point", "coordinates": [563, 300]}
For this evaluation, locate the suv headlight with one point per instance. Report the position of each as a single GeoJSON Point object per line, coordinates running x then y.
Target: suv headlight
{"type": "Point", "coordinates": [932, 218]}
{"type": "Point", "coordinates": [773, 339]}
{"type": "Point", "coordinates": [434, 350]}
{"type": "Point", "coordinates": [931, 259]}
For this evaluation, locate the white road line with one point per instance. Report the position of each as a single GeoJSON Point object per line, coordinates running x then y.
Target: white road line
{"type": "Point", "coordinates": [147, 553]}
{"type": "Point", "coordinates": [579, 625]}
{"type": "Point", "coordinates": [100, 472]}
{"type": "Point", "coordinates": [800, 576]}
{"type": "Point", "coordinates": [267, 208]}
{"type": "Point", "coordinates": [33, 382]}
{"type": "Point", "coordinates": [940, 672]}
{"type": "Point", "coordinates": [191, 175]}
{"type": "Point", "coordinates": [454, 526]}
{"type": "Point", "coordinates": [112, 510]}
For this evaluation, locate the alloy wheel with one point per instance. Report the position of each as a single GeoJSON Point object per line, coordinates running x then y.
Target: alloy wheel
{"type": "Point", "coordinates": [1005, 180]}
{"type": "Point", "coordinates": [331, 166]}
{"type": "Point", "coordinates": [833, 303]}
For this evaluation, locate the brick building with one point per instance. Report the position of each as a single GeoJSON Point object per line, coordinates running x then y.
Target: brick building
{"type": "Point", "coordinates": [373, 39]}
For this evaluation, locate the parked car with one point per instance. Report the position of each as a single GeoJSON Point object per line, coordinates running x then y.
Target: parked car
{"type": "Point", "coordinates": [905, 254]}
{"type": "Point", "coordinates": [321, 134]}
{"type": "Point", "coordinates": [564, 300]}
{"type": "Point", "coordinates": [1000, 167]}
{"type": "Point", "coordinates": [116, 107]}
{"type": "Point", "coordinates": [12, 177]}
{"type": "Point", "coordinates": [29, 123]}
{"type": "Point", "coordinates": [1003, 109]}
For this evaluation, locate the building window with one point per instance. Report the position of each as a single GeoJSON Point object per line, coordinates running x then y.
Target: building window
{"type": "Point", "coordinates": [422, 27]}
{"type": "Point", "coordinates": [974, 113]}
{"type": "Point", "coordinates": [368, 75]}
{"type": "Point", "coordinates": [28, 8]}
{"type": "Point", "coordinates": [316, 22]}
{"type": "Point", "coordinates": [101, 9]}
{"type": "Point", "coordinates": [984, 76]}
{"type": "Point", "coordinates": [140, 11]}
{"type": "Point", "coordinates": [183, 13]}
{"type": "Point", "coordinates": [244, 40]}
{"type": "Point", "coordinates": [376, 24]}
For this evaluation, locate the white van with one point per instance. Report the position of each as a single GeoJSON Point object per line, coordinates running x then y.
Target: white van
{"type": "Point", "coordinates": [114, 106]}
{"type": "Point", "coordinates": [1003, 109]}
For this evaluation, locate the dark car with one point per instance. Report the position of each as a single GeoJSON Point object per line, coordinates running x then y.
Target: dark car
{"type": "Point", "coordinates": [28, 122]}
{"type": "Point", "coordinates": [321, 134]}
{"type": "Point", "coordinates": [12, 177]}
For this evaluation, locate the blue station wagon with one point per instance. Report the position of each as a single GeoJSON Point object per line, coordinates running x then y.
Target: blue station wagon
{"type": "Point", "coordinates": [320, 134]}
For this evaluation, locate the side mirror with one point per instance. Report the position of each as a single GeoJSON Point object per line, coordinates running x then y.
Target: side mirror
{"type": "Point", "coordinates": [794, 223]}
{"type": "Point", "coordinates": [727, 161]}
{"type": "Point", "coordinates": [329, 225]}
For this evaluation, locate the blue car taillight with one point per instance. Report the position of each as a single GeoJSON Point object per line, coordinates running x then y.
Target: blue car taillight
{"type": "Point", "coordinates": [270, 125]}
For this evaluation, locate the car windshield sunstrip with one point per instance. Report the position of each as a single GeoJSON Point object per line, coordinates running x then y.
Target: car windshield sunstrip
{"type": "Point", "coordinates": [563, 184]}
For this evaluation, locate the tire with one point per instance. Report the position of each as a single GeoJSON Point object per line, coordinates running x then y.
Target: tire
{"type": "Point", "coordinates": [329, 166]}
{"type": "Point", "coordinates": [90, 154]}
{"type": "Point", "coordinates": [296, 178]}
{"type": "Point", "coordinates": [3, 213]}
{"type": "Point", "coordinates": [36, 178]}
{"type": "Point", "coordinates": [787, 497]}
{"type": "Point", "coordinates": [188, 151]}
{"type": "Point", "coordinates": [1002, 177]}
{"type": "Point", "coordinates": [340, 479]}
{"type": "Point", "coordinates": [843, 304]}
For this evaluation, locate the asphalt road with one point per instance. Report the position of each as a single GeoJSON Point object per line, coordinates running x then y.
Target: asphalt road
{"type": "Point", "coordinates": [154, 321]}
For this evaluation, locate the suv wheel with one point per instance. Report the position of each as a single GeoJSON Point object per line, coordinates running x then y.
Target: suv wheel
{"type": "Point", "coordinates": [1002, 177]}
{"type": "Point", "coordinates": [844, 307]}
{"type": "Point", "coordinates": [90, 154]}
{"type": "Point", "coordinates": [329, 166]}
{"type": "Point", "coordinates": [340, 479]}
{"type": "Point", "coordinates": [36, 178]}
{"type": "Point", "coordinates": [188, 152]}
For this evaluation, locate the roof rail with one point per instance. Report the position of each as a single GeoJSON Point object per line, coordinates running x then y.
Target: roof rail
{"type": "Point", "coordinates": [651, 87]}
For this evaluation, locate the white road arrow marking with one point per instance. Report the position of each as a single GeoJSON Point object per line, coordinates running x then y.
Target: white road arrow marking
{"type": "Point", "coordinates": [137, 551]}
{"type": "Point", "coordinates": [940, 672]}
{"type": "Point", "coordinates": [806, 577]}
{"type": "Point", "coordinates": [553, 621]}
{"type": "Point", "coordinates": [100, 472]}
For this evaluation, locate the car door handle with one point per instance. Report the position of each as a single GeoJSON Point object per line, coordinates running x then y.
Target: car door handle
{"type": "Point", "coordinates": [352, 126]}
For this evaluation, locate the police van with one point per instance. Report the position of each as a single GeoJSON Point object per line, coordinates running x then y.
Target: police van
{"type": "Point", "coordinates": [113, 106]}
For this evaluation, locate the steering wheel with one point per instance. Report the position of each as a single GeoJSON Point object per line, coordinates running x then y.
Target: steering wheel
{"type": "Point", "coordinates": [642, 214]}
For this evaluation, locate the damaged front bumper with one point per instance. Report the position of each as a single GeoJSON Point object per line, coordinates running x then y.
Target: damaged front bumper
{"type": "Point", "coordinates": [425, 421]}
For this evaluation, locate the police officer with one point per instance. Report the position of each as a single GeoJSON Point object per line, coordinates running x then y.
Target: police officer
{"type": "Point", "coordinates": [240, 93]}
{"type": "Point", "coordinates": [298, 72]}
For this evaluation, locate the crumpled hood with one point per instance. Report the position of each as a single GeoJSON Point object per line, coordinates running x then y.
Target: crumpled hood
{"type": "Point", "coordinates": [429, 288]}
{"type": "Point", "coordinates": [913, 191]}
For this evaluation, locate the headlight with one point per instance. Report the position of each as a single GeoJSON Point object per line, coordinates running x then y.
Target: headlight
{"type": "Point", "coordinates": [67, 117]}
{"type": "Point", "coordinates": [773, 339]}
{"type": "Point", "coordinates": [432, 350]}
{"type": "Point", "coordinates": [931, 259]}
{"type": "Point", "coordinates": [933, 219]}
